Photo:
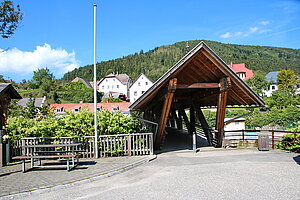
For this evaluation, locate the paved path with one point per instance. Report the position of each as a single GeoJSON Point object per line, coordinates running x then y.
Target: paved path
{"type": "Point", "coordinates": [13, 181]}
{"type": "Point", "coordinates": [227, 174]}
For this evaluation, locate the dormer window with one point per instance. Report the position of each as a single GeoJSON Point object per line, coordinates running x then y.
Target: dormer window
{"type": "Point", "coordinates": [59, 110]}
{"type": "Point", "coordinates": [115, 108]}
{"type": "Point", "coordinates": [76, 109]}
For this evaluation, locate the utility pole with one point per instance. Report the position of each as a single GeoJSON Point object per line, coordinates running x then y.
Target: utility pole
{"type": "Point", "coordinates": [95, 86]}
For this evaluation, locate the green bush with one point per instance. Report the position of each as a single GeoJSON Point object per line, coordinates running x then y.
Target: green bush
{"type": "Point", "coordinates": [71, 124]}
{"type": "Point", "coordinates": [290, 143]}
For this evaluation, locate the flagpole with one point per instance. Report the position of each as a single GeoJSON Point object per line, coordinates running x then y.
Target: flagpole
{"type": "Point", "coordinates": [95, 87]}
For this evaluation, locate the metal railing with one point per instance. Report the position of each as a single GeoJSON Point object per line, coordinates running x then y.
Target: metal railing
{"type": "Point", "coordinates": [233, 137]}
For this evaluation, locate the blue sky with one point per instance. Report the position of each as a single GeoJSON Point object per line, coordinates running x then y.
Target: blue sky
{"type": "Point", "coordinates": [58, 34]}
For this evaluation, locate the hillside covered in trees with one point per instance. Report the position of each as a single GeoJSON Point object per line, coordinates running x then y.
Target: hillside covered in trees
{"type": "Point", "coordinates": [156, 62]}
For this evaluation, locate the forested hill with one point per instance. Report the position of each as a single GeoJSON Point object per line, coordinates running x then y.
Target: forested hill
{"type": "Point", "coordinates": [156, 62]}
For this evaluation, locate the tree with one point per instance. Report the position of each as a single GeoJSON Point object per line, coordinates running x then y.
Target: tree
{"type": "Point", "coordinates": [258, 83]}
{"type": "Point", "coordinates": [287, 80]}
{"type": "Point", "coordinates": [280, 99]}
{"type": "Point", "coordinates": [10, 18]}
{"type": "Point", "coordinates": [45, 82]}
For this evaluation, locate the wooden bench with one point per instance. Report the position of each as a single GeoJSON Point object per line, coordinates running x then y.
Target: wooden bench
{"type": "Point", "coordinates": [37, 152]}
{"type": "Point", "coordinates": [39, 157]}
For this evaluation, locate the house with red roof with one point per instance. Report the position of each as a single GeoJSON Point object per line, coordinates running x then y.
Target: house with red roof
{"type": "Point", "coordinates": [115, 83]}
{"type": "Point", "coordinates": [242, 71]}
{"type": "Point", "coordinates": [76, 107]}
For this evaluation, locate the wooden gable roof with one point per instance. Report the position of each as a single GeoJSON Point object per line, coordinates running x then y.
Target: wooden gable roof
{"type": "Point", "coordinates": [8, 88]}
{"type": "Point", "coordinates": [201, 65]}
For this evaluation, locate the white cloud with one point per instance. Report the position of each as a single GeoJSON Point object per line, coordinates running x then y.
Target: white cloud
{"type": "Point", "coordinates": [253, 29]}
{"type": "Point", "coordinates": [59, 61]}
{"type": "Point", "coordinates": [226, 35]}
{"type": "Point", "coordinates": [238, 34]}
{"type": "Point", "coordinates": [265, 23]}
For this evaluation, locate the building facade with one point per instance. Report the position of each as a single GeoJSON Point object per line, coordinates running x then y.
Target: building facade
{"type": "Point", "coordinates": [139, 87]}
{"type": "Point", "coordinates": [117, 83]}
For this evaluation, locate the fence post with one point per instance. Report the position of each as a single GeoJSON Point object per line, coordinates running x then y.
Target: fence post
{"type": "Point", "coordinates": [151, 143]}
{"type": "Point", "coordinates": [273, 140]}
{"type": "Point", "coordinates": [243, 133]}
{"type": "Point", "coordinates": [129, 145]}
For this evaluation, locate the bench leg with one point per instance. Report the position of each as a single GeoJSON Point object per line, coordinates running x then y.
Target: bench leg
{"type": "Point", "coordinates": [23, 165]}
{"type": "Point", "coordinates": [77, 157]}
{"type": "Point", "coordinates": [32, 162]}
{"type": "Point", "coordinates": [68, 165]}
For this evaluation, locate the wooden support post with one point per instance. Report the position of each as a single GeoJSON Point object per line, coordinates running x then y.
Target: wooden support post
{"type": "Point", "coordinates": [186, 120]}
{"type": "Point", "coordinates": [172, 119]}
{"type": "Point", "coordinates": [178, 119]}
{"type": "Point", "coordinates": [192, 119]}
{"type": "Point", "coordinates": [203, 122]}
{"type": "Point", "coordinates": [165, 112]}
{"type": "Point", "coordinates": [225, 84]}
{"type": "Point", "coordinates": [174, 116]}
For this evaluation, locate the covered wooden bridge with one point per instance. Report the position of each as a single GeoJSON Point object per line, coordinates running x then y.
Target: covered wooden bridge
{"type": "Point", "coordinates": [200, 79]}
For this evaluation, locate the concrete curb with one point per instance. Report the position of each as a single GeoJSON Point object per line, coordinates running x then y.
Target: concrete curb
{"type": "Point", "coordinates": [80, 182]}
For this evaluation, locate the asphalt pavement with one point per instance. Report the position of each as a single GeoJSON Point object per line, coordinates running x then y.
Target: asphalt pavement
{"type": "Point", "coordinates": [225, 174]}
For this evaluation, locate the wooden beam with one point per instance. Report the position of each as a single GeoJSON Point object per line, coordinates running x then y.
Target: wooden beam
{"type": "Point", "coordinates": [221, 110]}
{"type": "Point", "coordinates": [186, 120]}
{"type": "Point", "coordinates": [198, 85]}
{"type": "Point", "coordinates": [179, 121]}
{"type": "Point", "coordinates": [172, 119]}
{"type": "Point", "coordinates": [203, 122]}
{"type": "Point", "coordinates": [165, 112]}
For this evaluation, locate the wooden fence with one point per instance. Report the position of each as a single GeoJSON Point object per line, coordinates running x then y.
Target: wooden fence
{"type": "Point", "coordinates": [239, 137]}
{"type": "Point", "coordinates": [109, 145]}
{"type": "Point", "coordinates": [126, 144]}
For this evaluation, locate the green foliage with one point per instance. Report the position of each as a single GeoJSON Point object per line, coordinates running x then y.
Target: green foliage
{"type": "Point", "coordinates": [111, 100]}
{"type": "Point", "coordinates": [76, 92]}
{"type": "Point", "coordinates": [10, 18]}
{"type": "Point", "coordinates": [290, 142]}
{"type": "Point", "coordinates": [258, 83]}
{"type": "Point", "coordinates": [71, 124]}
{"type": "Point", "coordinates": [287, 80]}
{"type": "Point", "coordinates": [280, 99]}
{"type": "Point", "coordinates": [156, 62]}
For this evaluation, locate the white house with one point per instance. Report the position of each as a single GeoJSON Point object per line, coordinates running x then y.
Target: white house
{"type": "Point", "coordinates": [117, 83]}
{"type": "Point", "coordinates": [271, 77]}
{"type": "Point", "coordinates": [141, 85]}
{"type": "Point", "coordinates": [234, 125]}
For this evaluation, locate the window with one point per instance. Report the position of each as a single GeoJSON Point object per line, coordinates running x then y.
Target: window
{"type": "Point", "coordinates": [237, 123]}
{"type": "Point", "coordinates": [76, 109]}
{"type": "Point", "coordinates": [112, 87]}
{"type": "Point", "coordinates": [135, 93]}
{"type": "Point", "coordinates": [273, 87]}
{"type": "Point", "coordinates": [106, 80]}
{"type": "Point", "coordinates": [102, 87]}
{"type": "Point", "coordinates": [117, 86]}
{"type": "Point", "coordinates": [139, 83]}
{"type": "Point", "coordinates": [115, 108]}
{"type": "Point", "coordinates": [114, 79]}
{"type": "Point", "coordinates": [108, 87]}
{"type": "Point", "coordinates": [99, 109]}
{"type": "Point", "coordinates": [146, 83]}
{"type": "Point", "coordinates": [58, 110]}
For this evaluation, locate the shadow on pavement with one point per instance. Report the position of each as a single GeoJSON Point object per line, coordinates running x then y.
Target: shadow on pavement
{"type": "Point", "coordinates": [297, 159]}
{"type": "Point", "coordinates": [176, 140]}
